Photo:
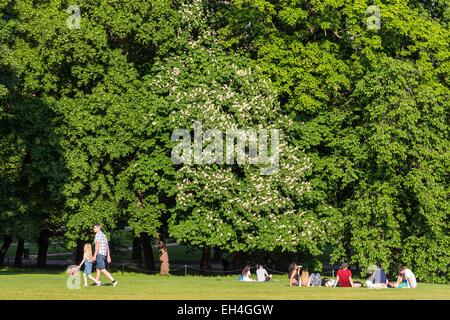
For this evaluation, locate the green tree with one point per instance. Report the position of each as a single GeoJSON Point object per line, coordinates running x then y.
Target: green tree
{"type": "Point", "coordinates": [371, 110]}
{"type": "Point", "coordinates": [92, 75]}
{"type": "Point", "coordinates": [32, 169]}
{"type": "Point", "coordinates": [233, 207]}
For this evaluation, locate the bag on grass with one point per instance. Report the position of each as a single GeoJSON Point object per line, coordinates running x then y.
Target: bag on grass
{"type": "Point", "coordinates": [328, 282]}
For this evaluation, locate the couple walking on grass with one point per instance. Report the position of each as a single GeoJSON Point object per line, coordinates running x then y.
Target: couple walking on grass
{"type": "Point", "coordinates": [101, 255]}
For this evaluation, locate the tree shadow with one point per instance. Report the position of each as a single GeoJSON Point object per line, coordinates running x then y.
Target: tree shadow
{"type": "Point", "coordinates": [9, 271]}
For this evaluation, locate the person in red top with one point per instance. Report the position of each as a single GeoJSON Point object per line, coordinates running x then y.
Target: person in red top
{"type": "Point", "coordinates": [344, 276]}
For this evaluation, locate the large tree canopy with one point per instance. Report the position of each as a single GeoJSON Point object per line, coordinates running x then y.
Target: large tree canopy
{"type": "Point", "coordinates": [360, 92]}
{"type": "Point", "coordinates": [372, 112]}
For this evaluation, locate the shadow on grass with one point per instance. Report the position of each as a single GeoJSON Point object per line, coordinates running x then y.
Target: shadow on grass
{"type": "Point", "coordinates": [31, 270]}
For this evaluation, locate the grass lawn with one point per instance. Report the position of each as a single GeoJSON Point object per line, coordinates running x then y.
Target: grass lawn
{"type": "Point", "coordinates": [37, 284]}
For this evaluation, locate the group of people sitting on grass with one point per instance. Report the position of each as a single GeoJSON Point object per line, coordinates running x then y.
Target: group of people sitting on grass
{"type": "Point", "coordinates": [301, 277]}
{"type": "Point", "coordinates": [405, 279]}
{"type": "Point", "coordinates": [261, 274]}
{"type": "Point", "coordinates": [377, 279]}
{"type": "Point", "coordinates": [298, 276]}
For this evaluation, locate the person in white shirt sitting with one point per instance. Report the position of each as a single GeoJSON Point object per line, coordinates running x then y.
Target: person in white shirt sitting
{"type": "Point", "coordinates": [405, 279]}
{"type": "Point", "coordinates": [262, 275]}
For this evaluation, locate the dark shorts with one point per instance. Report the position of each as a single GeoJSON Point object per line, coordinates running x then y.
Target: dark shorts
{"type": "Point", "coordinates": [101, 262]}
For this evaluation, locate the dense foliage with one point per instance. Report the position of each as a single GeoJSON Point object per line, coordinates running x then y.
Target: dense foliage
{"type": "Point", "coordinates": [360, 91]}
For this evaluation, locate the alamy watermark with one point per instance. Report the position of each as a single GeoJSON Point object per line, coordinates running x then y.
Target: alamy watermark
{"type": "Point", "coordinates": [74, 21]}
{"type": "Point", "coordinates": [374, 20]}
{"type": "Point", "coordinates": [239, 146]}
{"type": "Point", "coordinates": [74, 280]}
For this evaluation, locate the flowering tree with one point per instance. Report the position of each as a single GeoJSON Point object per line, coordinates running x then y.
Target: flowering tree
{"type": "Point", "coordinates": [233, 206]}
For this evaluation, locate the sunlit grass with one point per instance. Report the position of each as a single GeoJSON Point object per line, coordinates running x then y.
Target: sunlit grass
{"type": "Point", "coordinates": [36, 284]}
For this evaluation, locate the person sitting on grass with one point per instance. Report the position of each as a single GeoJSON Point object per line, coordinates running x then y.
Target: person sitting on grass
{"type": "Point", "coordinates": [246, 274]}
{"type": "Point", "coordinates": [88, 260]}
{"type": "Point", "coordinates": [305, 279]}
{"type": "Point", "coordinates": [378, 279]}
{"type": "Point", "coordinates": [405, 279]}
{"type": "Point", "coordinates": [294, 274]}
{"type": "Point", "coordinates": [344, 277]}
{"type": "Point", "coordinates": [262, 275]}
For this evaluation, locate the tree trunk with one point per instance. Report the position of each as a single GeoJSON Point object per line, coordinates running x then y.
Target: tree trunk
{"type": "Point", "coordinates": [7, 240]}
{"type": "Point", "coordinates": [217, 254]}
{"type": "Point", "coordinates": [19, 252]}
{"type": "Point", "coordinates": [149, 261]}
{"type": "Point", "coordinates": [80, 252]}
{"type": "Point", "coordinates": [146, 245]}
{"type": "Point", "coordinates": [284, 260]}
{"type": "Point", "coordinates": [164, 269]}
{"type": "Point", "coordinates": [239, 260]}
{"type": "Point", "coordinates": [204, 262]}
{"type": "Point", "coordinates": [43, 243]}
{"type": "Point", "coordinates": [136, 253]}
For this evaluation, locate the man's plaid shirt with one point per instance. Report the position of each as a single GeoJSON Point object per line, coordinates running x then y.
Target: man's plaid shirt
{"type": "Point", "coordinates": [103, 248]}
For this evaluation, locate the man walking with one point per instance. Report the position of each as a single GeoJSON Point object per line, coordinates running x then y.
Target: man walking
{"type": "Point", "coordinates": [101, 254]}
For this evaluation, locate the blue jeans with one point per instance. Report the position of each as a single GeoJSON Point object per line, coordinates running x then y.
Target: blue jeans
{"type": "Point", "coordinates": [101, 262]}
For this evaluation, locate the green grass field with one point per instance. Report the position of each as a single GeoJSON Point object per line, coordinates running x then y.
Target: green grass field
{"type": "Point", "coordinates": [37, 284]}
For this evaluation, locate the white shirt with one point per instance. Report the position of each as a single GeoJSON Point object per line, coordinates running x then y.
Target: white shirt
{"type": "Point", "coordinates": [410, 278]}
{"type": "Point", "coordinates": [246, 277]}
{"type": "Point", "coordinates": [261, 274]}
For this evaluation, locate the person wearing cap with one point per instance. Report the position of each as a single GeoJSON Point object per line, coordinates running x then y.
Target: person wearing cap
{"type": "Point", "coordinates": [344, 276]}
